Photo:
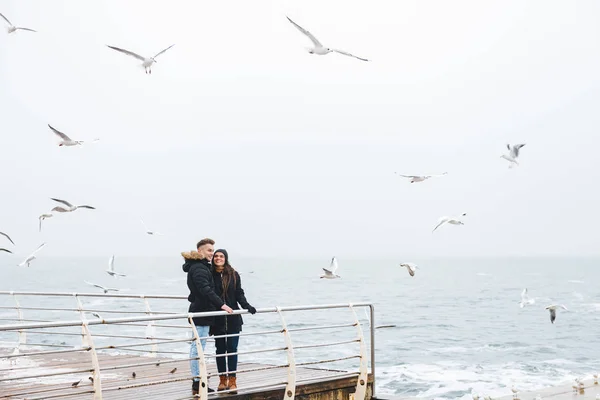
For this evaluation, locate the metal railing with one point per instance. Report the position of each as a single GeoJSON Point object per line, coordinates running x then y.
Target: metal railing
{"type": "Point", "coordinates": [91, 369]}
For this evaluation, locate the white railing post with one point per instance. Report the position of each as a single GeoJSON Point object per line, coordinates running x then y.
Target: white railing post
{"type": "Point", "coordinates": [84, 335]}
{"type": "Point", "coordinates": [22, 333]}
{"type": "Point", "coordinates": [361, 383]}
{"type": "Point", "coordinates": [290, 387]}
{"type": "Point", "coordinates": [372, 350]}
{"type": "Point", "coordinates": [95, 363]}
{"type": "Point", "coordinates": [203, 387]}
{"type": "Point", "coordinates": [150, 329]}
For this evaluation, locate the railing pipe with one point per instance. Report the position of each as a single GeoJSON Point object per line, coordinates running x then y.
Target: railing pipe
{"type": "Point", "coordinates": [372, 329]}
{"type": "Point", "coordinates": [96, 373]}
{"type": "Point", "coordinates": [69, 294]}
{"type": "Point", "coordinates": [150, 330]}
{"type": "Point", "coordinates": [13, 327]}
{"type": "Point", "coordinates": [290, 389]}
{"type": "Point", "coordinates": [361, 384]}
{"type": "Point", "coordinates": [84, 336]}
{"type": "Point", "coordinates": [203, 385]}
{"type": "Point", "coordinates": [22, 333]}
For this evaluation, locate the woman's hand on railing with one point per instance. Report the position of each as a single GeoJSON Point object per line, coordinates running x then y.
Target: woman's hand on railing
{"type": "Point", "coordinates": [251, 309]}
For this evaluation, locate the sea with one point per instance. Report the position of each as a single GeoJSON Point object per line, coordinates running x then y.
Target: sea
{"type": "Point", "coordinates": [454, 328]}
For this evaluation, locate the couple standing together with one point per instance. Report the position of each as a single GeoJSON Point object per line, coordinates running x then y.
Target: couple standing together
{"type": "Point", "coordinates": [214, 285]}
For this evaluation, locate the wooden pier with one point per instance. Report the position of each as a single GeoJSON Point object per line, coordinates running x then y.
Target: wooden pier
{"type": "Point", "coordinates": [146, 355]}
{"type": "Point", "coordinates": [120, 384]}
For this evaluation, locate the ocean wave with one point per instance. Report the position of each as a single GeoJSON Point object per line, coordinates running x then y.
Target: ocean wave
{"type": "Point", "coordinates": [592, 306]}
{"type": "Point", "coordinates": [451, 380]}
{"type": "Point", "coordinates": [490, 347]}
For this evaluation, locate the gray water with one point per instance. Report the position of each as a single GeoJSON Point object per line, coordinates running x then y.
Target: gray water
{"type": "Point", "coordinates": [458, 324]}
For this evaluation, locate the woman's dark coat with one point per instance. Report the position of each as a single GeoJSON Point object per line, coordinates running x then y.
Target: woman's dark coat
{"type": "Point", "coordinates": [234, 296]}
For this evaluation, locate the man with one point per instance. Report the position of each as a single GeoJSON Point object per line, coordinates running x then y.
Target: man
{"type": "Point", "coordinates": [202, 298]}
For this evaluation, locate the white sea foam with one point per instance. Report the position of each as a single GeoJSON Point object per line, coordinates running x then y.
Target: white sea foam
{"type": "Point", "coordinates": [484, 348]}
{"type": "Point", "coordinates": [593, 307]}
{"type": "Point", "coordinates": [450, 380]}
{"type": "Point", "coordinates": [578, 296]}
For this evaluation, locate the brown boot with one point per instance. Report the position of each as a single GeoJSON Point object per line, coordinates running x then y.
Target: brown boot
{"type": "Point", "coordinates": [222, 382]}
{"type": "Point", "coordinates": [232, 385]}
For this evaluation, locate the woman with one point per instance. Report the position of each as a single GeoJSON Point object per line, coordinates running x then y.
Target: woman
{"type": "Point", "coordinates": [228, 286]}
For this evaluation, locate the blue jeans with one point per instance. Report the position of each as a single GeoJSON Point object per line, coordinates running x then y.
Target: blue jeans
{"type": "Point", "coordinates": [195, 364]}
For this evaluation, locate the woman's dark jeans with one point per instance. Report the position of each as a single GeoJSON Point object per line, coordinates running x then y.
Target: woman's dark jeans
{"type": "Point", "coordinates": [227, 345]}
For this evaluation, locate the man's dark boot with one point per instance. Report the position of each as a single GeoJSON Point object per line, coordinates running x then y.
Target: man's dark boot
{"type": "Point", "coordinates": [196, 388]}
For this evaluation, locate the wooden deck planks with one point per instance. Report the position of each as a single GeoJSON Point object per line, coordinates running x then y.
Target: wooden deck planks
{"type": "Point", "coordinates": [115, 382]}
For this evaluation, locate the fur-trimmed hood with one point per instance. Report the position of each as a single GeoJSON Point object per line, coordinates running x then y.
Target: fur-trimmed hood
{"type": "Point", "coordinates": [192, 257]}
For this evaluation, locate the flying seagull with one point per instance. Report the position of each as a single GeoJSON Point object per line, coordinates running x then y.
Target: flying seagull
{"type": "Point", "coordinates": [95, 314]}
{"type": "Point", "coordinates": [65, 140]}
{"type": "Point", "coordinates": [70, 206]}
{"type": "Point", "coordinates": [449, 220]}
{"type": "Point", "coordinates": [513, 153]}
{"type": "Point", "coordinates": [111, 268]}
{"type": "Point", "coordinates": [43, 217]}
{"type": "Point", "coordinates": [410, 267]}
{"type": "Point", "coordinates": [146, 61]}
{"type": "Point", "coordinates": [420, 178]}
{"type": "Point", "coordinates": [525, 300]}
{"type": "Point", "coordinates": [148, 231]}
{"type": "Point", "coordinates": [553, 309]}
{"type": "Point", "coordinates": [11, 28]}
{"type": "Point", "coordinates": [8, 237]}
{"type": "Point", "coordinates": [330, 273]}
{"type": "Point", "coordinates": [105, 289]}
{"type": "Point", "coordinates": [32, 257]}
{"type": "Point", "coordinates": [319, 49]}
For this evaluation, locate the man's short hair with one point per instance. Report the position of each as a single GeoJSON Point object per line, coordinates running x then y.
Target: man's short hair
{"type": "Point", "coordinates": [205, 241]}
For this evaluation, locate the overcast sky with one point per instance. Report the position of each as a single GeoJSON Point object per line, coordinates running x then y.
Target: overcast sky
{"type": "Point", "coordinates": [240, 135]}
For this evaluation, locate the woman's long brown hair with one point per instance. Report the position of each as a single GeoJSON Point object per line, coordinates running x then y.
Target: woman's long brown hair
{"type": "Point", "coordinates": [228, 277]}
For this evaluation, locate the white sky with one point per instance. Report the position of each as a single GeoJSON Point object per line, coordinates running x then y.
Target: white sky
{"type": "Point", "coordinates": [239, 134]}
